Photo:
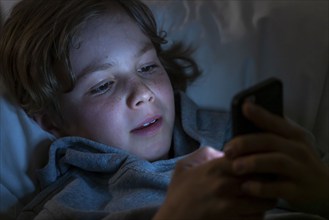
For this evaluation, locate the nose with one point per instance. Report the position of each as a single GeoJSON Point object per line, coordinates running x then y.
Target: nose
{"type": "Point", "coordinates": [140, 94]}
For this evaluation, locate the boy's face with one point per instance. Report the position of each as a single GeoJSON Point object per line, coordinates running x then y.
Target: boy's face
{"type": "Point", "coordinates": [123, 96]}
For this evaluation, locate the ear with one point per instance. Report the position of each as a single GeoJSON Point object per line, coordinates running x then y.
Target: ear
{"type": "Point", "coordinates": [48, 124]}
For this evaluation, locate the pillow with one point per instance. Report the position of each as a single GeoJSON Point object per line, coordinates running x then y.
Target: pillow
{"type": "Point", "coordinates": [238, 44]}
{"type": "Point", "coordinates": [242, 42]}
{"type": "Point", "coordinates": [23, 147]}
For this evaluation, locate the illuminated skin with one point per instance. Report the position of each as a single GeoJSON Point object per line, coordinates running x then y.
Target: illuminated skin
{"type": "Point", "coordinates": [122, 86]}
{"type": "Point", "coordinates": [123, 96]}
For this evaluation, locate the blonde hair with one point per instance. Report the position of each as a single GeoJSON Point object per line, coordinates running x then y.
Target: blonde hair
{"type": "Point", "coordinates": [39, 34]}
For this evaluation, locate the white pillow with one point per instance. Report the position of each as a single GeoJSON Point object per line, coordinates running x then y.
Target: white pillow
{"type": "Point", "coordinates": [23, 147]}
{"type": "Point", "coordinates": [243, 42]}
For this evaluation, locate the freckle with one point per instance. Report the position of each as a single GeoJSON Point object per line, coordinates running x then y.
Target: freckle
{"type": "Point", "coordinates": [117, 99]}
{"type": "Point", "coordinates": [157, 82]}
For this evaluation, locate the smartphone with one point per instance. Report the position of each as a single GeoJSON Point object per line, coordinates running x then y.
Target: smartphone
{"type": "Point", "coordinates": [268, 94]}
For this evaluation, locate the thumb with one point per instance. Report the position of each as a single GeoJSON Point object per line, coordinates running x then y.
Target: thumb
{"type": "Point", "coordinates": [199, 157]}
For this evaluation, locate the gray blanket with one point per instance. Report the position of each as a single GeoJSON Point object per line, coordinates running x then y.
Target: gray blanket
{"type": "Point", "coordinates": [89, 180]}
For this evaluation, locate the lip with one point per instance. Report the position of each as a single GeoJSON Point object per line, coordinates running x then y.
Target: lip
{"type": "Point", "coordinates": [151, 129]}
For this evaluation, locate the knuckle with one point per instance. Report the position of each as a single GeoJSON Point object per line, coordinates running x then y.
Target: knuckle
{"type": "Point", "coordinates": [240, 143]}
{"type": "Point", "coordinates": [252, 164]}
{"type": "Point", "coordinates": [260, 189]}
{"type": "Point", "coordinates": [181, 166]}
{"type": "Point", "coordinates": [225, 205]}
{"type": "Point", "coordinates": [257, 188]}
{"type": "Point", "coordinates": [282, 163]}
{"type": "Point", "coordinates": [221, 187]}
{"type": "Point", "coordinates": [207, 151]}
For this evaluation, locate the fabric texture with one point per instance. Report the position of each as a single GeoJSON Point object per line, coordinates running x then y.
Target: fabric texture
{"type": "Point", "coordinates": [88, 180]}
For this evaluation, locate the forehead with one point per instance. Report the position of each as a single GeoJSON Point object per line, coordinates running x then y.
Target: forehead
{"type": "Point", "coordinates": [106, 38]}
{"type": "Point", "coordinates": [107, 29]}
{"type": "Point", "coordinates": [100, 24]}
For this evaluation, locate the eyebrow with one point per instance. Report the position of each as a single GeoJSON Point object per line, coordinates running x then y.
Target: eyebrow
{"type": "Point", "coordinates": [97, 66]}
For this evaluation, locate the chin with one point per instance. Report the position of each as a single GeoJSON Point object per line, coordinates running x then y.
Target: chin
{"type": "Point", "coordinates": [156, 157]}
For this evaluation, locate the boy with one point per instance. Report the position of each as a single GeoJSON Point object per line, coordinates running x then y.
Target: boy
{"type": "Point", "coordinates": [93, 74]}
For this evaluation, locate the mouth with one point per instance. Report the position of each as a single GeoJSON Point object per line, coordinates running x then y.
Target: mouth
{"type": "Point", "coordinates": [148, 127]}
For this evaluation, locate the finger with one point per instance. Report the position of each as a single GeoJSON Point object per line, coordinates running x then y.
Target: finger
{"type": "Point", "coordinates": [275, 189]}
{"type": "Point", "coordinates": [260, 143]}
{"type": "Point", "coordinates": [213, 170]}
{"type": "Point", "coordinates": [281, 165]}
{"type": "Point", "coordinates": [227, 186]}
{"type": "Point", "coordinates": [220, 166]}
{"type": "Point", "coordinates": [260, 216]}
{"type": "Point", "coordinates": [271, 122]}
{"type": "Point", "coordinates": [197, 158]}
{"type": "Point", "coordinates": [253, 206]}
{"type": "Point", "coordinates": [247, 206]}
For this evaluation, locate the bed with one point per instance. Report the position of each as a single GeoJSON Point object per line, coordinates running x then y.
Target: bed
{"type": "Point", "coordinates": [239, 43]}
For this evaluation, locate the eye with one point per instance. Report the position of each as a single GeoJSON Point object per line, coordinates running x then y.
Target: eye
{"type": "Point", "coordinates": [148, 69]}
{"type": "Point", "coordinates": [102, 88]}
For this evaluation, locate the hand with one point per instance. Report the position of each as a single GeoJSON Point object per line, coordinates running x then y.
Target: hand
{"type": "Point", "coordinates": [203, 187]}
{"type": "Point", "coordinates": [285, 151]}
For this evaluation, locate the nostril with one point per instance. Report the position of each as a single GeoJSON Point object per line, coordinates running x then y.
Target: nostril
{"type": "Point", "coordinates": [138, 103]}
{"type": "Point", "coordinates": [140, 95]}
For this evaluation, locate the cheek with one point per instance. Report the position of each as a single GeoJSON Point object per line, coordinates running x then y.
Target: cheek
{"type": "Point", "coordinates": [166, 94]}
{"type": "Point", "coordinates": [102, 111]}
{"type": "Point", "coordinates": [165, 88]}
{"type": "Point", "coordinates": [88, 117]}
